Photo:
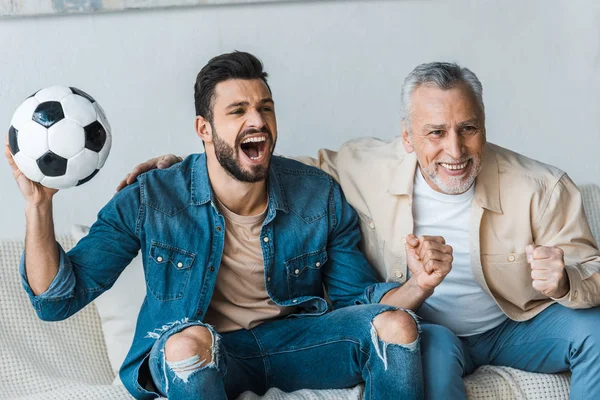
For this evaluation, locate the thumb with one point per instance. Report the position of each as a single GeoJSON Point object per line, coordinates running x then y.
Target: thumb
{"type": "Point", "coordinates": [529, 249]}
{"type": "Point", "coordinates": [412, 241]}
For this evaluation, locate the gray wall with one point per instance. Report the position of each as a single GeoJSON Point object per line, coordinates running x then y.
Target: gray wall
{"type": "Point", "coordinates": [336, 70]}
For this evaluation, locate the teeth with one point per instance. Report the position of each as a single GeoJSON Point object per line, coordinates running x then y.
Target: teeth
{"type": "Point", "coordinates": [454, 167]}
{"type": "Point", "coordinates": [260, 154]}
{"type": "Point", "coordinates": [255, 139]}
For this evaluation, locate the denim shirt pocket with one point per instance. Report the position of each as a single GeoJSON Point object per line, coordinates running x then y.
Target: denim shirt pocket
{"type": "Point", "coordinates": [304, 273]}
{"type": "Point", "coordinates": [168, 271]}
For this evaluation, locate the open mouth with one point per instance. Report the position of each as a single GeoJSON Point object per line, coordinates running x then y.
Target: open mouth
{"type": "Point", "coordinates": [254, 147]}
{"type": "Point", "coordinates": [455, 168]}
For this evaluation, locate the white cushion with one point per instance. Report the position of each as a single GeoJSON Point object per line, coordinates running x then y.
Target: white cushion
{"type": "Point", "coordinates": [119, 307]}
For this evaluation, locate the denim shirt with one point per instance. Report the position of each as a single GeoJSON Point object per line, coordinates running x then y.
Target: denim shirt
{"type": "Point", "coordinates": [309, 241]}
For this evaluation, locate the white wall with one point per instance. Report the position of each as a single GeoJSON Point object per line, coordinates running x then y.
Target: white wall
{"type": "Point", "coordinates": [336, 70]}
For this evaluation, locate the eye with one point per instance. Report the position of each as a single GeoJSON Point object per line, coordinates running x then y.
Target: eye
{"type": "Point", "coordinates": [237, 111]}
{"type": "Point", "coordinates": [469, 129]}
{"type": "Point", "coordinates": [437, 132]}
{"type": "Point", "coordinates": [267, 109]}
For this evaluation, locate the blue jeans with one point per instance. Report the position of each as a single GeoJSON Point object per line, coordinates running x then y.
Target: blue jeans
{"type": "Point", "coordinates": [558, 339]}
{"type": "Point", "coordinates": [337, 350]}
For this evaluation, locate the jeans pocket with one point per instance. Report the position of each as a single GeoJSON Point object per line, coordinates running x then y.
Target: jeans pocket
{"type": "Point", "coordinates": [168, 271]}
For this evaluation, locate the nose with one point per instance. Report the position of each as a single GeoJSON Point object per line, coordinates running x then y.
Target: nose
{"type": "Point", "coordinates": [255, 119]}
{"type": "Point", "coordinates": [454, 145]}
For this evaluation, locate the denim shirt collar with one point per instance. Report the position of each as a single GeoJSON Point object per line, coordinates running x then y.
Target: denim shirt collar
{"type": "Point", "coordinates": [202, 190]}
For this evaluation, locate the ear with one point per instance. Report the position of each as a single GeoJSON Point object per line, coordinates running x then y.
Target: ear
{"type": "Point", "coordinates": [406, 139]}
{"type": "Point", "coordinates": [203, 129]}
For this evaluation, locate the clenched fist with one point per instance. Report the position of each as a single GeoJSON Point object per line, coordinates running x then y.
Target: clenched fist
{"type": "Point", "coordinates": [548, 270]}
{"type": "Point", "coordinates": [429, 259]}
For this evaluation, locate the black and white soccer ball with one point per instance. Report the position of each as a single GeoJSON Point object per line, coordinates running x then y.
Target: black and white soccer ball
{"type": "Point", "coordinates": [59, 137]}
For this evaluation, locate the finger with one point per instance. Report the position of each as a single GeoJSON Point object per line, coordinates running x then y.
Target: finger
{"type": "Point", "coordinates": [11, 161]}
{"type": "Point", "coordinates": [412, 252]}
{"type": "Point", "coordinates": [549, 264]}
{"type": "Point", "coordinates": [167, 160]}
{"type": "Point", "coordinates": [549, 252]}
{"type": "Point", "coordinates": [123, 183]}
{"type": "Point", "coordinates": [539, 275]}
{"type": "Point", "coordinates": [437, 239]}
{"type": "Point", "coordinates": [439, 268]}
{"type": "Point", "coordinates": [412, 240]}
{"type": "Point", "coordinates": [543, 252]}
{"type": "Point", "coordinates": [540, 286]}
{"type": "Point", "coordinates": [433, 255]}
{"type": "Point", "coordinates": [442, 248]}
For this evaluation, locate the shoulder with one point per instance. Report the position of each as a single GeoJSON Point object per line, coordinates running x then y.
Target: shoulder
{"type": "Point", "coordinates": [170, 190]}
{"type": "Point", "coordinates": [287, 168]}
{"type": "Point", "coordinates": [371, 148]}
{"type": "Point", "coordinates": [517, 168]}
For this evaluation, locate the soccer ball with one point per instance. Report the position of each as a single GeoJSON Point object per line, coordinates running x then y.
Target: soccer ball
{"type": "Point", "coordinates": [59, 137]}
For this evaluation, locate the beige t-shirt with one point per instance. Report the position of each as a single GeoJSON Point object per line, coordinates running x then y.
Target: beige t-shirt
{"type": "Point", "coordinates": [240, 299]}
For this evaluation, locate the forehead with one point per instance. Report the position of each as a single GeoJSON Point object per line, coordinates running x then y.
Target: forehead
{"type": "Point", "coordinates": [429, 101]}
{"type": "Point", "coordinates": [240, 90]}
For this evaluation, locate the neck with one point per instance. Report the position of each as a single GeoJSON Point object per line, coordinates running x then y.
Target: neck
{"type": "Point", "coordinates": [242, 198]}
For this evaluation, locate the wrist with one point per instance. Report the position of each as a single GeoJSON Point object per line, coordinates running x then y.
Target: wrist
{"type": "Point", "coordinates": [564, 286]}
{"type": "Point", "coordinates": [419, 292]}
{"type": "Point", "coordinates": [38, 207]}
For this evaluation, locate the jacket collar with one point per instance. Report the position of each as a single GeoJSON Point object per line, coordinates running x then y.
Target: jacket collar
{"type": "Point", "coordinates": [487, 189]}
{"type": "Point", "coordinates": [487, 185]}
{"type": "Point", "coordinates": [202, 190]}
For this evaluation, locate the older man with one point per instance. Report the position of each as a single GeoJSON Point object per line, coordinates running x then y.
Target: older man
{"type": "Point", "coordinates": [525, 273]}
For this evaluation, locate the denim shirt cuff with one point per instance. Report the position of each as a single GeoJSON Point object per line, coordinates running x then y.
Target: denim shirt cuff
{"type": "Point", "coordinates": [374, 293]}
{"type": "Point", "coordinates": [63, 284]}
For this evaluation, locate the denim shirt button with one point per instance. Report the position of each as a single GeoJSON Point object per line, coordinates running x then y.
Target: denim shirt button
{"type": "Point", "coordinates": [296, 271]}
{"type": "Point", "coordinates": [159, 259]}
{"type": "Point", "coordinates": [218, 229]}
{"type": "Point", "coordinates": [179, 264]}
{"type": "Point", "coordinates": [318, 264]}
{"type": "Point", "coordinates": [212, 269]}
{"type": "Point", "coordinates": [294, 301]}
{"type": "Point", "coordinates": [268, 279]}
{"type": "Point", "coordinates": [266, 239]}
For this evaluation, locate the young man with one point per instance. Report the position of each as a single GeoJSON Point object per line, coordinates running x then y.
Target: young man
{"type": "Point", "coordinates": [237, 246]}
{"type": "Point", "coordinates": [525, 283]}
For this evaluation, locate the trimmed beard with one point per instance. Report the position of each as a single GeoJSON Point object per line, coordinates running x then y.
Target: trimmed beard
{"type": "Point", "coordinates": [228, 157]}
{"type": "Point", "coordinates": [454, 185]}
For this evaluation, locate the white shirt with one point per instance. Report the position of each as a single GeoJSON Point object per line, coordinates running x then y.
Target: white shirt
{"type": "Point", "coordinates": [458, 303]}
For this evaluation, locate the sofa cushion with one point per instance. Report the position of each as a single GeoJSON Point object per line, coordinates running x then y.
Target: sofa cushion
{"type": "Point", "coordinates": [63, 360]}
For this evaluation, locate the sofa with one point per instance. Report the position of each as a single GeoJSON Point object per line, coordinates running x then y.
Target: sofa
{"type": "Point", "coordinates": [78, 358]}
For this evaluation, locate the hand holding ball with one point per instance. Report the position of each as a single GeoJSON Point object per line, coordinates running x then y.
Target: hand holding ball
{"type": "Point", "coordinates": [59, 137]}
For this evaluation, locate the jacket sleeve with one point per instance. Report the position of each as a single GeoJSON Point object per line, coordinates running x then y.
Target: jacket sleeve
{"type": "Point", "coordinates": [95, 263]}
{"type": "Point", "coordinates": [563, 224]}
{"type": "Point", "coordinates": [349, 278]}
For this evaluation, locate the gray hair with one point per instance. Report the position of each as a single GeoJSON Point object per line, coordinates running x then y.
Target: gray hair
{"type": "Point", "coordinates": [441, 75]}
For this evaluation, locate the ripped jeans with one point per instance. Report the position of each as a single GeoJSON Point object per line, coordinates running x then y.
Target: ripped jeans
{"type": "Point", "coordinates": [337, 350]}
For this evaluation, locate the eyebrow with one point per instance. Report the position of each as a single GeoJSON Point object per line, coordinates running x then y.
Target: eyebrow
{"type": "Point", "coordinates": [471, 121]}
{"type": "Point", "coordinates": [245, 103]}
{"type": "Point", "coordinates": [435, 127]}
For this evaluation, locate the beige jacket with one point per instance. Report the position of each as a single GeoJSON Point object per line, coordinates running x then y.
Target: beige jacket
{"type": "Point", "coordinates": [517, 201]}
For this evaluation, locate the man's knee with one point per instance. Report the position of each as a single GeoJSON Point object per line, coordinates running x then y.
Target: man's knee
{"type": "Point", "coordinates": [192, 341]}
{"type": "Point", "coordinates": [396, 326]}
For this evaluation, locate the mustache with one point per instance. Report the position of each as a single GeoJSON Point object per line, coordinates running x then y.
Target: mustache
{"type": "Point", "coordinates": [453, 161]}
